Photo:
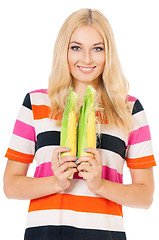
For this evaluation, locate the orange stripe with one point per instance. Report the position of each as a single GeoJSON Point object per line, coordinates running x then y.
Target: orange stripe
{"type": "Point", "coordinates": [41, 111]}
{"type": "Point", "coordinates": [76, 203]}
{"type": "Point", "coordinates": [18, 156]}
{"type": "Point", "coordinates": [143, 162]}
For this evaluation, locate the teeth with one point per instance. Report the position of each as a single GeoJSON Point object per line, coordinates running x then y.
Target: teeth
{"type": "Point", "coordinates": [86, 69]}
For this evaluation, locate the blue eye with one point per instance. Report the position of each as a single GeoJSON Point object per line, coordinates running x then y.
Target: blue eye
{"type": "Point", "coordinates": [75, 48]}
{"type": "Point", "coordinates": [98, 49]}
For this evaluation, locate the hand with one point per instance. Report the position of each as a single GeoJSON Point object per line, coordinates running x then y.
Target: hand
{"type": "Point", "coordinates": [63, 167]}
{"type": "Point", "coordinates": [91, 170]}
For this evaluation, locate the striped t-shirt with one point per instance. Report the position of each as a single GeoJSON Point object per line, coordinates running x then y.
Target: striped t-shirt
{"type": "Point", "coordinates": [76, 213]}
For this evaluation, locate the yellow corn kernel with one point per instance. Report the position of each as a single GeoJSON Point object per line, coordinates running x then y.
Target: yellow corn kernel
{"type": "Point", "coordinates": [91, 130]}
{"type": "Point", "coordinates": [68, 137]}
{"type": "Point", "coordinates": [71, 136]}
{"type": "Point", "coordinates": [72, 133]}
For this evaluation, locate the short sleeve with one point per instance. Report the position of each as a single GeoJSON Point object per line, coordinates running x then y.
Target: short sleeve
{"type": "Point", "coordinates": [22, 144]}
{"type": "Point", "coordinates": [139, 152]}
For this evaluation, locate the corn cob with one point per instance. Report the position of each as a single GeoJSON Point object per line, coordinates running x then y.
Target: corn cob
{"type": "Point", "coordinates": [68, 127]}
{"type": "Point", "coordinates": [87, 123]}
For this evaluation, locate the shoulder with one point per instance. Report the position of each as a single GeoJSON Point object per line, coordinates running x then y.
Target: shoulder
{"type": "Point", "coordinates": [138, 113]}
{"type": "Point", "coordinates": [134, 104]}
{"type": "Point", "coordinates": [36, 97]}
{"type": "Point", "coordinates": [39, 97]}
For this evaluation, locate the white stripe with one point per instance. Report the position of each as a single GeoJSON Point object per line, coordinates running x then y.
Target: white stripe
{"type": "Point", "coordinates": [79, 188]}
{"type": "Point", "coordinates": [46, 124]}
{"type": "Point", "coordinates": [110, 159]}
{"type": "Point", "coordinates": [139, 120]}
{"type": "Point", "coordinates": [140, 150]}
{"type": "Point", "coordinates": [39, 99]}
{"type": "Point", "coordinates": [131, 104]}
{"type": "Point", "coordinates": [25, 115]}
{"type": "Point", "coordinates": [22, 145]}
{"type": "Point", "coordinates": [75, 219]}
{"type": "Point", "coordinates": [44, 154]}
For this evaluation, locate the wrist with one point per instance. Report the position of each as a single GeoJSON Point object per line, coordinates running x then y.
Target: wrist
{"type": "Point", "coordinates": [56, 187]}
{"type": "Point", "coordinates": [101, 187]}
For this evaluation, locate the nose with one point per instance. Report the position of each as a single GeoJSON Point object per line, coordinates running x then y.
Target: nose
{"type": "Point", "coordinates": [87, 57]}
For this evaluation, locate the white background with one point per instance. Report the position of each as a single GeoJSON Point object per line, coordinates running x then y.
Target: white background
{"type": "Point", "coordinates": [28, 31]}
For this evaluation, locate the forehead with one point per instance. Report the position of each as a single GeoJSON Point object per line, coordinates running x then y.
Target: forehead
{"type": "Point", "coordinates": [86, 34]}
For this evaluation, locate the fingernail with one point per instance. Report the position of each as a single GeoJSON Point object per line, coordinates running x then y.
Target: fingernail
{"type": "Point", "coordinates": [67, 148]}
{"type": "Point", "coordinates": [76, 159]}
{"type": "Point", "coordinates": [85, 148]}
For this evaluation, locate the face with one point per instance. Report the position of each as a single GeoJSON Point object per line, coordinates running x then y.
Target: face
{"type": "Point", "coordinates": [86, 54]}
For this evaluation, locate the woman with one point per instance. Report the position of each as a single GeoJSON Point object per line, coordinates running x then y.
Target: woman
{"type": "Point", "coordinates": [89, 205]}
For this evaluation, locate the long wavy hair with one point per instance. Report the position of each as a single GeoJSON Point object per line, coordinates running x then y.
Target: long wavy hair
{"type": "Point", "coordinates": [113, 86]}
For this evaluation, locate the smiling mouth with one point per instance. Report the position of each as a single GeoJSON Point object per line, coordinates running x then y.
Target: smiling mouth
{"type": "Point", "coordinates": [86, 69]}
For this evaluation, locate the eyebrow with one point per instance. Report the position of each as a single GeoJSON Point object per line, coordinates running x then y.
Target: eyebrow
{"type": "Point", "coordinates": [81, 43]}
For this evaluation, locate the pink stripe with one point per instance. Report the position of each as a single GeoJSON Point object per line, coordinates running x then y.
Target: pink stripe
{"type": "Point", "coordinates": [24, 130]}
{"type": "Point", "coordinates": [140, 135]}
{"type": "Point", "coordinates": [131, 99]}
{"type": "Point", "coordinates": [40, 91]}
{"type": "Point", "coordinates": [112, 175]}
{"type": "Point", "coordinates": [44, 170]}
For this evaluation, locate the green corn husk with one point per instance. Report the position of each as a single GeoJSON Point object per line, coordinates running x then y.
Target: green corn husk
{"type": "Point", "coordinates": [89, 103]}
{"type": "Point", "coordinates": [71, 106]}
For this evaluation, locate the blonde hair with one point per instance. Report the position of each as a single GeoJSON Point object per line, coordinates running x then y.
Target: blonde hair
{"type": "Point", "coordinates": [113, 87]}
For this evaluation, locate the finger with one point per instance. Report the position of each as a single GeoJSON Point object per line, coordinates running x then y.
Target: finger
{"type": "Point", "coordinates": [84, 167]}
{"type": "Point", "coordinates": [84, 175]}
{"type": "Point", "coordinates": [68, 172]}
{"type": "Point", "coordinates": [67, 159]}
{"type": "Point", "coordinates": [65, 166]}
{"type": "Point", "coordinates": [57, 169]}
{"type": "Point", "coordinates": [58, 151]}
{"type": "Point", "coordinates": [58, 162]}
{"type": "Point", "coordinates": [95, 152]}
{"type": "Point", "coordinates": [88, 159]}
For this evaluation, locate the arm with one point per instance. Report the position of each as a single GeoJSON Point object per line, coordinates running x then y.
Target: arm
{"type": "Point", "coordinates": [139, 194]}
{"type": "Point", "coordinates": [18, 186]}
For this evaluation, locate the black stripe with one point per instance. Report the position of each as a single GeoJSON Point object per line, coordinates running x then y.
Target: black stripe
{"type": "Point", "coordinates": [67, 233]}
{"type": "Point", "coordinates": [27, 102]}
{"type": "Point", "coordinates": [108, 142]}
{"type": "Point", "coordinates": [137, 107]}
{"type": "Point", "coordinates": [47, 139]}
{"type": "Point", "coordinates": [113, 144]}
